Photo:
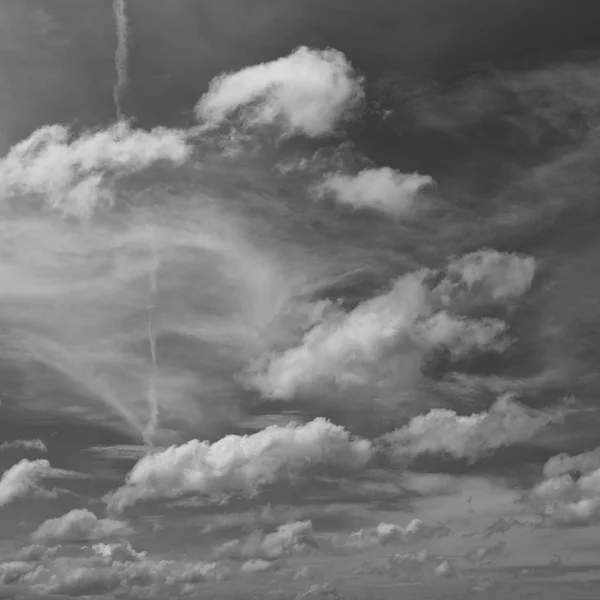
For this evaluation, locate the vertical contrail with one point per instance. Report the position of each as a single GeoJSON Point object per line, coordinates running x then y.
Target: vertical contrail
{"type": "Point", "coordinates": [121, 54]}
{"type": "Point", "coordinates": [152, 395]}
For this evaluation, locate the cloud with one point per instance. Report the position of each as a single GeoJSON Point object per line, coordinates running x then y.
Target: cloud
{"type": "Point", "coordinates": [460, 336]}
{"type": "Point", "coordinates": [486, 276]}
{"type": "Point", "coordinates": [570, 493]}
{"type": "Point", "coordinates": [289, 538]}
{"type": "Point", "coordinates": [389, 533]}
{"type": "Point", "coordinates": [308, 92]}
{"type": "Point", "coordinates": [119, 552]}
{"type": "Point", "coordinates": [79, 525]}
{"type": "Point", "coordinates": [13, 571]}
{"type": "Point", "coordinates": [319, 590]}
{"type": "Point", "coordinates": [481, 554]}
{"type": "Point", "coordinates": [393, 332]}
{"type": "Point", "coordinates": [75, 174]}
{"type": "Point", "coordinates": [122, 575]}
{"type": "Point", "coordinates": [382, 189]}
{"type": "Point", "coordinates": [562, 464]}
{"type": "Point", "coordinates": [24, 477]}
{"type": "Point", "coordinates": [241, 464]}
{"type": "Point", "coordinates": [258, 565]}
{"type": "Point", "coordinates": [343, 346]}
{"type": "Point", "coordinates": [28, 445]}
{"type": "Point", "coordinates": [442, 431]}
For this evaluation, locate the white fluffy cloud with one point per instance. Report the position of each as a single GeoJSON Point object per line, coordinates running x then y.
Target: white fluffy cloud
{"type": "Point", "coordinates": [343, 346]}
{"type": "Point", "coordinates": [443, 431]}
{"type": "Point", "coordinates": [567, 501]}
{"type": "Point", "coordinates": [74, 174]}
{"type": "Point", "coordinates": [24, 478]}
{"type": "Point", "coordinates": [488, 275]}
{"type": "Point", "coordinates": [309, 92]}
{"type": "Point", "coordinates": [289, 538]}
{"type": "Point", "coordinates": [382, 189]}
{"type": "Point", "coordinates": [347, 349]}
{"type": "Point", "coordinates": [79, 525]}
{"type": "Point", "coordinates": [241, 464]}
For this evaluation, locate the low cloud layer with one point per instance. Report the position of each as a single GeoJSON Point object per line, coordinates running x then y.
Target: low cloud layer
{"type": "Point", "coordinates": [241, 464]}
{"type": "Point", "coordinates": [308, 92]}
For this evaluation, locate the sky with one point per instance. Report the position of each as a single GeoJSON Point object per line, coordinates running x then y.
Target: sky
{"type": "Point", "coordinates": [299, 299]}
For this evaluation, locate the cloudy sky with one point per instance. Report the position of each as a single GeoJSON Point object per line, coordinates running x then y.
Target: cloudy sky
{"type": "Point", "coordinates": [299, 299]}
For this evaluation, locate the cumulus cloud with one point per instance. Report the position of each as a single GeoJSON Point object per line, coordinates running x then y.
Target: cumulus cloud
{"type": "Point", "coordinates": [258, 565]}
{"type": "Point", "coordinates": [395, 330]}
{"type": "Point", "coordinates": [341, 348]}
{"type": "Point", "coordinates": [24, 478]}
{"type": "Point", "coordinates": [461, 336]}
{"type": "Point", "coordinates": [241, 464]}
{"type": "Point", "coordinates": [28, 445]}
{"type": "Point", "coordinates": [98, 575]}
{"type": "Point", "coordinates": [389, 533]}
{"type": "Point", "coordinates": [562, 464]}
{"type": "Point", "coordinates": [442, 431]}
{"type": "Point", "coordinates": [488, 275]}
{"type": "Point", "coordinates": [73, 174]}
{"type": "Point", "coordinates": [79, 525]}
{"type": "Point", "coordinates": [383, 189]}
{"type": "Point", "coordinates": [290, 538]}
{"type": "Point", "coordinates": [308, 92]}
{"type": "Point", "coordinates": [570, 494]}
{"type": "Point", "coordinates": [119, 552]}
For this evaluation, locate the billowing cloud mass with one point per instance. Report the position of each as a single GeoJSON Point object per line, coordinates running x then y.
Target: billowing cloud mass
{"type": "Point", "coordinates": [289, 538]}
{"type": "Point", "coordinates": [24, 478]}
{"type": "Point", "coordinates": [241, 464]}
{"type": "Point", "coordinates": [445, 432]}
{"type": "Point", "coordinates": [28, 445]}
{"type": "Point", "coordinates": [307, 92]}
{"type": "Point", "coordinates": [382, 189]}
{"type": "Point", "coordinates": [353, 348]}
{"type": "Point", "coordinates": [570, 494]}
{"type": "Point", "coordinates": [79, 525]}
{"type": "Point", "coordinates": [74, 174]}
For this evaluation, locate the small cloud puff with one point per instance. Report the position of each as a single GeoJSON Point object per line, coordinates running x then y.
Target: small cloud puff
{"type": "Point", "coordinates": [79, 525]}
{"type": "Point", "coordinates": [442, 431]}
{"type": "Point", "coordinates": [308, 92]}
{"type": "Point", "coordinates": [241, 464]}
{"type": "Point", "coordinates": [382, 189]}
{"type": "Point", "coordinates": [290, 538]}
{"type": "Point", "coordinates": [71, 173]}
{"type": "Point", "coordinates": [23, 479]}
